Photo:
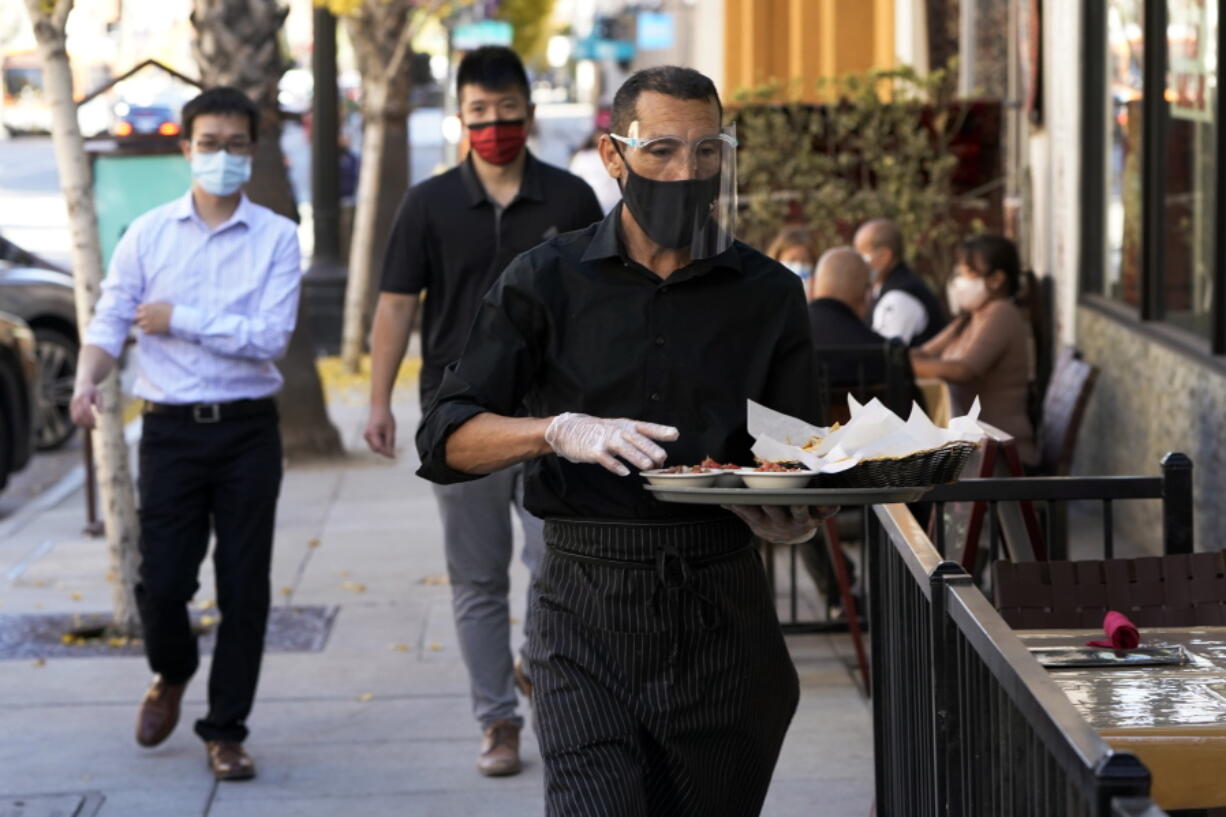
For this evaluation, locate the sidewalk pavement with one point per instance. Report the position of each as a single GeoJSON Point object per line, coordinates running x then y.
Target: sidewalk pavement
{"type": "Point", "coordinates": [377, 722]}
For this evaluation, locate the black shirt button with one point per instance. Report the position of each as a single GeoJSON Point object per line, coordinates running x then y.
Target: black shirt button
{"type": "Point", "coordinates": [655, 397]}
{"type": "Point", "coordinates": [659, 340]}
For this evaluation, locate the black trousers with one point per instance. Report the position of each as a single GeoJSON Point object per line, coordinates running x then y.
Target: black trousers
{"type": "Point", "coordinates": [662, 682]}
{"type": "Point", "coordinates": [194, 477]}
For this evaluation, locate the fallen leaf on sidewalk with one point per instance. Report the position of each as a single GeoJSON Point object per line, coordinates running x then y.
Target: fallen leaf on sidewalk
{"type": "Point", "coordinates": [354, 587]}
{"type": "Point", "coordinates": [40, 662]}
{"type": "Point", "coordinates": [75, 596]}
{"type": "Point", "coordinates": [365, 696]}
{"type": "Point", "coordinates": [207, 621]}
{"type": "Point", "coordinates": [343, 573]}
{"type": "Point", "coordinates": [400, 648]}
{"type": "Point", "coordinates": [434, 646]}
{"type": "Point", "coordinates": [313, 543]}
{"type": "Point", "coordinates": [514, 620]}
{"type": "Point", "coordinates": [287, 591]}
{"type": "Point", "coordinates": [437, 580]}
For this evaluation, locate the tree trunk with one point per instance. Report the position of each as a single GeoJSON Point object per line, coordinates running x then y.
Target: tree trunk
{"type": "Point", "coordinates": [110, 448]}
{"type": "Point", "coordinates": [381, 32]}
{"type": "Point", "coordinates": [381, 184]}
{"type": "Point", "coordinates": [237, 45]}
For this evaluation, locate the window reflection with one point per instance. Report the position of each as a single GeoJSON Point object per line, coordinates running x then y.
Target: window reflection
{"type": "Point", "coordinates": [1125, 71]}
{"type": "Point", "coordinates": [1188, 212]}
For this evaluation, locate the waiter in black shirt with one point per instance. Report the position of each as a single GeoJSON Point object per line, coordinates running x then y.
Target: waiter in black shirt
{"type": "Point", "coordinates": [453, 235]}
{"type": "Point", "coordinates": [662, 682]}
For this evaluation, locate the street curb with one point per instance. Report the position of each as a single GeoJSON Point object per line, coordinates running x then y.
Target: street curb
{"type": "Point", "coordinates": [67, 485]}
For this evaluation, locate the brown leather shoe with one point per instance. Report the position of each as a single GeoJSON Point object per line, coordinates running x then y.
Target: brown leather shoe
{"type": "Point", "coordinates": [522, 680]}
{"type": "Point", "coordinates": [229, 760]}
{"type": "Point", "coordinates": [500, 750]}
{"type": "Point", "coordinates": [159, 712]}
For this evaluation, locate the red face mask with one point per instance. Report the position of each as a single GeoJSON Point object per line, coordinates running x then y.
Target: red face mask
{"type": "Point", "coordinates": [498, 142]}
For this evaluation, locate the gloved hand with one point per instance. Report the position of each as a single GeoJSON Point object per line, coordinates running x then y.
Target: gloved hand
{"type": "Point", "coordinates": [783, 524]}
{"type": "Point", "coordinates": [583, 438]}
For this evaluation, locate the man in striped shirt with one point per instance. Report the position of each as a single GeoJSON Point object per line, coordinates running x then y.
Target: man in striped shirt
{"type": "Point", "coordinates": [211, 280]}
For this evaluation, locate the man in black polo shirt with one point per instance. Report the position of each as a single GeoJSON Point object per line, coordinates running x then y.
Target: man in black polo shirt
{"type": "Point", "coordinates": [904, 307]}
{"type": "Point", "coordinates": [453, 235]}
{"type": "Point", "coordinates": [662, 682]}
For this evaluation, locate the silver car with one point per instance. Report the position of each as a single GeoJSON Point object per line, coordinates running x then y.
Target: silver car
{"type": "Point", "coordinates": [43, 298]}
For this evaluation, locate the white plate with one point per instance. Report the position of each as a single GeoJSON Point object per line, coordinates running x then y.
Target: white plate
{"type": "Point", "coordinates": [657, 477]}
{"type": "Point", "coordinates": [727, 478]}
{"type": "Point", "coordinates": [774, 480]}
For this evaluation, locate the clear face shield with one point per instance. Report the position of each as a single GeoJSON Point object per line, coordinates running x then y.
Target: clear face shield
{"type": "Point", "coordinates": [682, 192]}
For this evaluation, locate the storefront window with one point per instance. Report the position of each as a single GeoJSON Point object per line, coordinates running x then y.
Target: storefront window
{"type": "Point", "coordinates": [1188, 212]}
{"type": "Point", "coordinates": [1125, 74]}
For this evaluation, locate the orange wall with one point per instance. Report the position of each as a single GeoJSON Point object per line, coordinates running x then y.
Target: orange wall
{"type": "Point", "coordinates": [781, 40]}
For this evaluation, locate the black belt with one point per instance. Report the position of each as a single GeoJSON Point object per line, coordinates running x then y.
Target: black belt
{"type": "Point", "coordinates": [212, 412]}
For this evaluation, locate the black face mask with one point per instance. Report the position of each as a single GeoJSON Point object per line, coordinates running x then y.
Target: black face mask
{"type": "Point", "coordinates": [669, 212]}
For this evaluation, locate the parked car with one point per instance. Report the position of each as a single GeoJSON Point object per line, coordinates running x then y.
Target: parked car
{"type": "Point", "coordinates": [18, 387]}
{"type": "Point", "coordinates": [135, 121]}
{"type": "Point", "coordinates": [43, 298]}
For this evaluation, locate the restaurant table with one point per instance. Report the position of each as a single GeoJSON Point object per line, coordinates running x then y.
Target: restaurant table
{"type": "Point", "coordinates": [1171, 717]}
{"type": "Point", "coordinates": [936, 398]}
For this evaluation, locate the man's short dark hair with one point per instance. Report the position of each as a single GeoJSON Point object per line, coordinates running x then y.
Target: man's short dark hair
{"type": "Point", "coordinates": [672, 80]}
{"type": "Point", "coordinates": [494, 68]}
{"type": "Point", "coordinates": [222, 100]}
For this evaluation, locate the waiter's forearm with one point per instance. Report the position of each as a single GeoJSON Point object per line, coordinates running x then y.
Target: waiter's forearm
{"type": "Point", "coordinates": [490, 442]}
{"type": "Point", "coordinates": [394, 315]}
{"type": "Point", "coordinates": [93, 365]}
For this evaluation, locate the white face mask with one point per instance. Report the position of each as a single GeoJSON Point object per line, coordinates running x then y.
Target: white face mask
{"type": "Point", "coordinates": [221, 173]}
{"type": "Point", "coordinates": [967, 292]}
{"type": "Point", "coordinates": [802, 270]}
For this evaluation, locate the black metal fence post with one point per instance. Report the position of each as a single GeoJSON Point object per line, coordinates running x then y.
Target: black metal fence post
{"type": "Point", "coordinates": [1177, 519]}
{"type": "Point", "coordinates": [1120, 774]}
{"type": "Point", "coordinates": [946, 746]}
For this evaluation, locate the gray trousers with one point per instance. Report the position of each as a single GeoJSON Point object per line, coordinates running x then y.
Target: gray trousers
{"type": "Point", "coordinates": [479, 545]}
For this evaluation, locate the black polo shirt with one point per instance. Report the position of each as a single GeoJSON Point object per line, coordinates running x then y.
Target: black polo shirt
{"type": "Point", "coordinates": [575, 325]}
{"type": "Point", "coordinates": [452, 241]}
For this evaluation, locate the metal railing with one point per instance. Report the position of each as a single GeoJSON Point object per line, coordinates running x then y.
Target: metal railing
{"type": "Point", "coordinates": [966, 722]}
{"type": "Point", "coordinates": [1173, 488]}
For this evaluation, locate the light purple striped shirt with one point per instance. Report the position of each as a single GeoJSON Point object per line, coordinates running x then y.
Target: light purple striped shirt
{"type": "Point", "coordinates": [235, 296]}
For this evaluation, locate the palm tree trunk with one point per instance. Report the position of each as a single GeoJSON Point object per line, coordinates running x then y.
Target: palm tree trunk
{"type": "Point", "coordinates": [110, 448]}
{"type": "Point", "coordinates": [381, 183]}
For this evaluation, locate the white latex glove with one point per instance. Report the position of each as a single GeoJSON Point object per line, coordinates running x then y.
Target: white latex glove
{"type": "Point", "coordinates": [783, 524]}
{"type": "Point", "coordinates": [583, 438]}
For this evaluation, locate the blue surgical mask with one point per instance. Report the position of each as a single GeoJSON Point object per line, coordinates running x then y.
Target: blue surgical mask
{"type": "Point", "coordinates": [221, 173]}
{"type": "Point", "coordinates": [802, 270]}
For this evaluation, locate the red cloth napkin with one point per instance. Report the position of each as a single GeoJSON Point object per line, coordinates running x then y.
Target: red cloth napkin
{"type": "Point", "coordinates": [1121, 633]}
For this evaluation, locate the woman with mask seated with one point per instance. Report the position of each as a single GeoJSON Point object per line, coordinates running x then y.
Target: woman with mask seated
{"type": "Point", "coordinates": [985, 351]}
{"type": "Point", "coordinates": [794, 248]}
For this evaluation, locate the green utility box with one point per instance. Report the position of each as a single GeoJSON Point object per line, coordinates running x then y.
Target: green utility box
{"type": "Point", "coordinates": [130, 179]}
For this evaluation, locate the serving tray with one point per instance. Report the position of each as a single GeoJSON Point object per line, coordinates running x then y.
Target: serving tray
{"type": "Point", "coordinates": [1073, 657]}
{"type": "Point", "coordinates": [787, 496]}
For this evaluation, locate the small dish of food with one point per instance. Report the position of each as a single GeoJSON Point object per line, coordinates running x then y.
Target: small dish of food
{"type": "Point", "coordinates": [776, 475]}
{"type": "Point", "coordinates": [681, 476]}
{"type": "Point", "coordinates": [726, 475]}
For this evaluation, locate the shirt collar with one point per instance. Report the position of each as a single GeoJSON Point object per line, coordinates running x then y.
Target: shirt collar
{"type": "Point", "coordinates": [529, 185]}
{"type": "Point", "coordinates": [184, 208]}
{"type": "Point", "coordinates": [607, 243]}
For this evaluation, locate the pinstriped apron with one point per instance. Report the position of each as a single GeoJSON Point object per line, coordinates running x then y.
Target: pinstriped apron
{"type": "Point", "coordinates": [662, 684]}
